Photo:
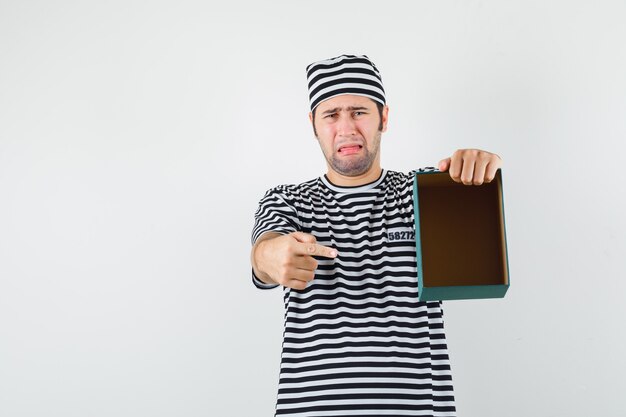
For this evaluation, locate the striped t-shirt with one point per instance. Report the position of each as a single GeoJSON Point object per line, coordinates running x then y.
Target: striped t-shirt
{"type": "Point", "coordinates": [356, 340]}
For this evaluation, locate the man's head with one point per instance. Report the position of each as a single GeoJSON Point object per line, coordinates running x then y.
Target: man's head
{"type": "Point", "coordinates": [348, 129]}
{"type": "Point", "coordinates": [348, 113]}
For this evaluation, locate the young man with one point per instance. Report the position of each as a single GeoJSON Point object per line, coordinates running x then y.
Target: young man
{"type": "Point", "coordinates": [356, 340]}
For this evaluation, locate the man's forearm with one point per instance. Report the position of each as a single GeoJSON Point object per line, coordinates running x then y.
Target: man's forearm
{"type": "Point", "coordinates": [254, 254]}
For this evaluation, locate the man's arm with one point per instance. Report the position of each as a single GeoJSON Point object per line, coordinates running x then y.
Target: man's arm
{"type": "Point", "coordinates": [282, 255]}
{"type": "Point", "coordinates": [275, 216]}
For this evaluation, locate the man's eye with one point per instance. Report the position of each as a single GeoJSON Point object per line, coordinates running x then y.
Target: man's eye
{"type": "Point", "coordinates": [330, 115]}
{"type": "Point", "coordinates": [358, 113]}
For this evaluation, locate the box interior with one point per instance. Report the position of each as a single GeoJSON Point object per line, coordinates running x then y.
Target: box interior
{"type": "Point", "coordinates": [461, 231]}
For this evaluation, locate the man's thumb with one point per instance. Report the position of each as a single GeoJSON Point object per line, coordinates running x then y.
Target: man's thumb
{"type": "Point", "coordinates": [304, 237]}
{"type": "Point", "coordinates": [444, 164]}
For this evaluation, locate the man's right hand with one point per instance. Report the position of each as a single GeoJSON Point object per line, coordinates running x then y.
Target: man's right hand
{"type": "Point", "coordinates": [288, 259]}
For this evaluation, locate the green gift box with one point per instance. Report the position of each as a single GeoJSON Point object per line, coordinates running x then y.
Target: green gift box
{"type": "Point", "coordinates": [460, 237]}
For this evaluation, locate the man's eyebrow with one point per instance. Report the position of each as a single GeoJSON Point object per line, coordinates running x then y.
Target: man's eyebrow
{"type": "Point", "coordinates": [349, 108]}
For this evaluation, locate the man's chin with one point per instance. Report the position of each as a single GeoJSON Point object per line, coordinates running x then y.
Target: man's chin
{"type": "Point", "coordinates": [351, 170]}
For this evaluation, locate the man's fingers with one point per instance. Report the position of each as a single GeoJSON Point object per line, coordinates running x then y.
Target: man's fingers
{"type": "Point", "coordinates": [490, 174]}
{"type": "Point", "coordinates": [307, 246]}
{"type": "Point", "coordinates": [479, 172]}
{"type": "Point", "coordinates": [299, 278]}
{"type": "Point", "coordinates": [301, 275]}
{"type": "Point", "coordinates": [314, 249]}
{"type": "Point", "coordinates": [303, 237]}
{"type": "Point", "coordinates": [444, 164]}
{"type": "Point", "coordinates": [306, 262]}
{"type": "Point", "coordinates": [296, 284]}
{"type": "Point", "coordinates": [467, 175]}
{"type": "Point", "coordinates": [455, 166]}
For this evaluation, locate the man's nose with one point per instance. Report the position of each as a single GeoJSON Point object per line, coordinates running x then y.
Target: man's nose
{"type": "Point", "coordinates": [346, 125]}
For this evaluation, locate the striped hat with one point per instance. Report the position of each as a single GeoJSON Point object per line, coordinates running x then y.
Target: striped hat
{"type": "Point", "coordinates": [344, 74]}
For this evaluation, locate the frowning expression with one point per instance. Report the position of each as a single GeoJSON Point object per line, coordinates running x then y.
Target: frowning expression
{"type": "Point", "coordinates": [348, 132]}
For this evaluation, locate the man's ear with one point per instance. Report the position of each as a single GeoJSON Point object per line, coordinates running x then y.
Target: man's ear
{"type": "Point", "coordinates": [385, 117]}
{"type": "Point", "coordinates": [313, 125]}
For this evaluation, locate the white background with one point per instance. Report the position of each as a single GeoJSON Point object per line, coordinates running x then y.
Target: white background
{"type": "Point", "coordinates": [136, 139]}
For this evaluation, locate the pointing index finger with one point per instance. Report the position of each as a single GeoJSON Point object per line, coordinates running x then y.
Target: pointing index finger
{"type": "Point", "coordinates": [314, 249]}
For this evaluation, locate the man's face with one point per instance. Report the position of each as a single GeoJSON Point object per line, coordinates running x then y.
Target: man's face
{"type": "Point", "coordinates": [347, 131]}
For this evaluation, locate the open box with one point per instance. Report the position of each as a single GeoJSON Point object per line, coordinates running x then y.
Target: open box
{"type": "Point", "coordinates": [460, 237]}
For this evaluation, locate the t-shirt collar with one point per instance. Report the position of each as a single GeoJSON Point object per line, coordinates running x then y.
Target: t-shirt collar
{"type": "Point", "coordinates": [354, 188]}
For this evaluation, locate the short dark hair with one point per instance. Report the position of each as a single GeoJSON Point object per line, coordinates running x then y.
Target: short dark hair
{"type": "Point", "coordinates": [379, 106]}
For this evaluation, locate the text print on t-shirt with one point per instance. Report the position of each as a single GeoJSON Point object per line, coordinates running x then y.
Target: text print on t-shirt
{"type": "Point", "coordinates": [400, 234]}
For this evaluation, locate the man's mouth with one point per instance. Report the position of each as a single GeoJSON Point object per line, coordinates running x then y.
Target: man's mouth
{"type": "Point", "coordinates": [350, 149]}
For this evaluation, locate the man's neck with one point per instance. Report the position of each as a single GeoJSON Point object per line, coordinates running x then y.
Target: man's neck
{"type": "Point", "coordinates": [344, 181]}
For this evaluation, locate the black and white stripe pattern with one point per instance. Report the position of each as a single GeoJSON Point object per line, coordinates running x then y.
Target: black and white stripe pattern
{"type": "Point", "coordinates": [356, 340]}
{"type": "Point", "coordinates": [345, 74]}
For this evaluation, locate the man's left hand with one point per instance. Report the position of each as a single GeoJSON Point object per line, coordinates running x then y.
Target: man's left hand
{"type": "Point", "coordinates": [471, 166]}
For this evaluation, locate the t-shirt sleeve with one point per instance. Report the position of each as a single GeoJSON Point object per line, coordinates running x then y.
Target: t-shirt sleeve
{"type": "Point", "coordinates": [276, 213]}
